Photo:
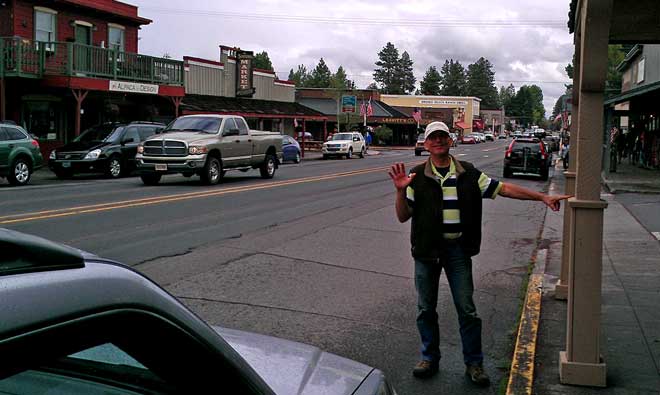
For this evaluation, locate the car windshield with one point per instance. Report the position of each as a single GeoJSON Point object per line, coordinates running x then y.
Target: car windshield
{"type": "Point", "coordinates": [342, 136]}
{"type": "Point", "coordinates": [100, 133]}
{"type": "Point", "coordinates": [195, 124]}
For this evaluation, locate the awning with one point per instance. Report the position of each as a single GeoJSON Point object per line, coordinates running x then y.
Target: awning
{"type": "Point", "coordinates": [640, 90]}
{"type": "Point", "coordinates": [461, 125]}
{"type": "Point", "coordinates": [248, 108]}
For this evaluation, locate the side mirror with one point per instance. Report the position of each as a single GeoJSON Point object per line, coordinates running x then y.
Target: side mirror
{"type": "Point", "coordinates": [128, 140]}
{"type": "Point", "coordinates": [231, 132]}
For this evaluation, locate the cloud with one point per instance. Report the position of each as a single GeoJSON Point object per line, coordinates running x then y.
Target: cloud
{"type": "Point", "coordinates": [531, 44]}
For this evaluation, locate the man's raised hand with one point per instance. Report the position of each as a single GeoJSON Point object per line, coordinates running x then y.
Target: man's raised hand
{"type": "Point", "coordinates": [399, 177]}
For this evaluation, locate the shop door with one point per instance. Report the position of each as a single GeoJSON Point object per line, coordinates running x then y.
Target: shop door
{"type": "Point", "coordinates": [82, 52]}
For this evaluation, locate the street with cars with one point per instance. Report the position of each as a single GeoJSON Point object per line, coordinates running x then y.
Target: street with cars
{"type": "Point", "coordinates": [313, 255]}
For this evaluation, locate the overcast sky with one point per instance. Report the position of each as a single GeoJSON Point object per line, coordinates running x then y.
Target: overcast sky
{"type": "Point", "coordinates": [527, 41]}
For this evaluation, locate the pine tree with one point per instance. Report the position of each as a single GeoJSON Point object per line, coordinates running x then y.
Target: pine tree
{"type": "Point", "coordinates": [339, 80]}
{"type": "Point", "coordinates": [452, 77]}
{"type": "Point", "coordinates": [387, 74]}
{"type": "Point", "coordinates": [406, 71]}
{"type": "Point", "coordinates": [506, 95]}
{"type": "Point", "coordinates": [481, 83]}
{"type": "Point", "coordinates": [430, 85]}
{"type": "Point", "coordinates": [262, 61]}
{"type": "Point", "coordinates": [300, 76]}
{"type": "Point", "coordinates": [320, 77]}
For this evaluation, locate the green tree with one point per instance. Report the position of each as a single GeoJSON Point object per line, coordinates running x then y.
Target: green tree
{"type": "Point", "coordinates": [452, 79]}
{"type": "Point", "coordinates": [300, 76]}
{"type": "Point", "coordinates": [340, 81]}
{"type": "Point", "coordinates": [527, 105]}
{"type": "Point", "coordinates": [537, 103]}
{"type": "Point", "coordinates": [372, 86]}
{"type": "Point", "coordinates": [388, 71]}
{"type": "Point", "coordinates": [615, 56]}
{"type": "Point", "coordinates": [406, 72]}
{"type": "Point", "coordinates": [506, 95]}
{"type": "Point", "coordinates": [481, 83]}
{"type": "Point", "coordinates": [320, 77]}
{"type": "Point", "coordinates": [262, 61]}
{"type": "Point", "coordinates": [430, 85]}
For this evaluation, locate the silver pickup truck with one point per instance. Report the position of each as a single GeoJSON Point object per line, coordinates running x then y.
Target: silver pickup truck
{"type": "Point", "coordinates": [208, 145]}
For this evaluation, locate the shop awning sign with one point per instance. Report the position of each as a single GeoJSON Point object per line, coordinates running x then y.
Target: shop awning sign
{"type": "Point", "coordinates": [133, 87]}
{"type": "Point", "coordinates": [348, 104]}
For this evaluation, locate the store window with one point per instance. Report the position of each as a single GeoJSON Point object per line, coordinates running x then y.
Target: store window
{"type": "Point", "coordinates": [43, 119]}
{"type": "Point", "coordinates": [45, 22]}
{"type": "Point", "coordinates": [116, 37]}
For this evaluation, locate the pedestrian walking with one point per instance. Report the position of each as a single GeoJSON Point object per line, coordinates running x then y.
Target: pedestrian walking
{"type": "Point", "coordinates": [443, 197]}
{"type": "Point", "coordinates": [367, 139]}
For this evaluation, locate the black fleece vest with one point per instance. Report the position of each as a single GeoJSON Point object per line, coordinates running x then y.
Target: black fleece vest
{"type": "Point", "coordinates": [426, 236]}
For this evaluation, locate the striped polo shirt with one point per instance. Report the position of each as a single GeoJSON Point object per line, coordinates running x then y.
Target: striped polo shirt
{"type": "Point", "coordinates": [451, 214]}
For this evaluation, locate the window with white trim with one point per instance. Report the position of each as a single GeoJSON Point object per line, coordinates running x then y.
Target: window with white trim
{"type": "Point", "coordinates": [640, 70]}
{"type": "Point", "coordinates": [116, 38]}
{"type": "Point", "coordinates": [45, 21]}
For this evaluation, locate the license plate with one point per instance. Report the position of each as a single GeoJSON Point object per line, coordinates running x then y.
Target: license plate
{"type": "Point", "coordinates": [161, 167]}
{"type": "Point", "coordinates": [66, 164]}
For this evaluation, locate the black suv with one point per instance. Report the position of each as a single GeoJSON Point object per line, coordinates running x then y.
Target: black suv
{"type": "Point", "coordinates": [109, 148]}
{"type": "Point", "coordinates": [527, 155]}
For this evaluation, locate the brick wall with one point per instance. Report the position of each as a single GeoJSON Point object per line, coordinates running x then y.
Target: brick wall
{"type": "Point", "coordinates": [24, 25]}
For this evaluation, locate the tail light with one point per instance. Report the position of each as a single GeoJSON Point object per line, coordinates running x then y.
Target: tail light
{"type": "Point", "coordinates": [35, 143]}
{"type": "Point", "coordinates": [544, 154]}
{"type": "Point", "coordinates": [508, 151]}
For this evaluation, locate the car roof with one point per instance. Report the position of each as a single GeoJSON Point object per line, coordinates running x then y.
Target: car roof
{"type": "Point", "coordinates": [527, 140]}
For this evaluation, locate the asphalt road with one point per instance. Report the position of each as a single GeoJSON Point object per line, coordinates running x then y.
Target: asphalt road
{"type": "Point", "coordinates": [314, 255]}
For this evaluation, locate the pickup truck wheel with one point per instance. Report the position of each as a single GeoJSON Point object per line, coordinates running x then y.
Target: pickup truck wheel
{"type": "Point", "coordinates": [212, 171]}
{"type": "Point", "coordinates": [114, 169]}
{"type": "Point", "coordinates": [267, 169]}
{"type": "Point", "coordinates": [349, 155]}
{"type": "Point", "coordinates": [150, 179]}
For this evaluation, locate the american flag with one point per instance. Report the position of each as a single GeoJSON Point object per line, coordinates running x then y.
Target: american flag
{"type": "Point", "coordinates": [362, 109]}
{"type": "Point", "coordinates": [417, 114]}
{"type": "Point", "coordinates": [370, 110]}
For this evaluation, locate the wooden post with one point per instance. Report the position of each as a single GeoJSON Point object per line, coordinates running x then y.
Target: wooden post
{"type": "Point", "coordinates": [177, 103]}
{"type": "Point", "coordinates": [3, 105]}
{"type": "Point", "coordinates": [79, 95]}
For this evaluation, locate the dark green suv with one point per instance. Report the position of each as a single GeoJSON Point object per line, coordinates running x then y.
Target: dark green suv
{"type": "Point", "coordinates": [19, 154]}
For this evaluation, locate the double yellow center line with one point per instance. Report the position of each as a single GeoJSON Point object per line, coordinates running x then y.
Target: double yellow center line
{"type": "Point", "coordinates": [94, 208]}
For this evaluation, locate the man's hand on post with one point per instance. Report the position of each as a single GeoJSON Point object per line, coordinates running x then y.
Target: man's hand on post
{"type": "Point", "coordinates": [554, 201]}
{"type": "Point", "coordinates": [399, 177]}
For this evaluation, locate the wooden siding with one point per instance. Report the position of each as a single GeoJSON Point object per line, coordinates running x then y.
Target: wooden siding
{"type": "Point", "coordinates": [64, 30]}
{"type": "Point", "coordinates": [263, 86]}
{"type": "Point", "coordinates": [201, 80]}
{"type": "Point", "coordinates": [6, 27]}
{"type": "Point", "coordinates": [284, 93]}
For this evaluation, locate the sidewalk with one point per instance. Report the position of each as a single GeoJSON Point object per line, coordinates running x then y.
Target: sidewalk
{"type": "Point", "coordinates": [630, 316]}
{"type": "Point", "coordinates": [632, 178]}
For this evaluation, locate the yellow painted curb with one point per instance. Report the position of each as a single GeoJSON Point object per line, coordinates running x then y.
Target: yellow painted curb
{"type": "Point", "coordinates": [521, 376]}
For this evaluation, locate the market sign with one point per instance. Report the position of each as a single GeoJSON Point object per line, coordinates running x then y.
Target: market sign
{"type": "Point", "coordinates": [244, 74]}
{"type": "Point", "coordinates": [348, 104]}
{"type": "Point", "coordinates": [133, 87]}
{"type": "Point", "coordinates": [444, 102]}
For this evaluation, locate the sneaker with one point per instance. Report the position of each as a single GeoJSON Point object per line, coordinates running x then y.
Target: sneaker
{"type": "Point", "coordinates": [425, 369]}
{"type": "Point", "coordinates": [477, 375]}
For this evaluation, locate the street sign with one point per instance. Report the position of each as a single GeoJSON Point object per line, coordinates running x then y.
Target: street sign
{"type": "Point", "coordinates": [348, 104]}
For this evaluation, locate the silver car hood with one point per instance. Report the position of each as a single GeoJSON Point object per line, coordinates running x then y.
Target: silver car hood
{"type": "Point", "coordinates": [295, 368]}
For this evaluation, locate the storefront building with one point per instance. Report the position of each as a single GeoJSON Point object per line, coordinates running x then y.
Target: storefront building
{"type": "Point", "coordinates": [75, 63]}
{"type": "Point", "coordinates": [369, 110]}
{"type": "Point", "coordinates": [464, 110]}
{"type": "Point", "coordinates": [494, 120]}
{"type": "Point", "coordinates": [232, 86]}
{"type": "Point", "coordinates": [636, 111]}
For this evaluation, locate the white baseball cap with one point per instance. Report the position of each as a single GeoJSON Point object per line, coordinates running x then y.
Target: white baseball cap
{"type": "Point", "coordinates": [434, 127]}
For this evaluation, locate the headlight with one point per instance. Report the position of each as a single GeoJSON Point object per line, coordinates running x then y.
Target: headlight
{"type": "Point", "coordinates": [344, 145]}
{"type": "Point", "coordinates": [52, 155]}
{"type": "Point", "coordinates": [197, 150]}
{"type": "Point", "coordinates": [140, 149]}
{"type": "Point", "coordinates": [93, 154]}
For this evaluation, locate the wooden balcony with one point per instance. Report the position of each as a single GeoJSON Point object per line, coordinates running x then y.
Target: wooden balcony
{"type": "Point", "coordinates": [29, 59]}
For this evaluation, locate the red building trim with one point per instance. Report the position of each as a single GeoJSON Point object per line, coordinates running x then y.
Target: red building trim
{"type": "Point", "coordinates": [200, 60]}
{"type": "Point", "coordinates": [264, 71]}
{"type": "Point", "coordinates": [113, 7]}
{"type": "Point", "coordinates": [287, 82]}
{"type": "Point", "coordinates": [104, 85]}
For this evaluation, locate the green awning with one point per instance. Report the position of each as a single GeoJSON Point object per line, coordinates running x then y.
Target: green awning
{"type": "Point", "coordinates": [640, 90]}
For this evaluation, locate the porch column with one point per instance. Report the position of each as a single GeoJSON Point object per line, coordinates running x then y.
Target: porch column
{"type": "Point", "coordinates": [3, 105]}
{"type": "Point", "coordinates": [325, 129]}
{"type": "Point", "coordinates": [561, 289]}
{"type": "Point", "coordinates": [581, 363]}
{"type": "Point", "coordinates": [79, 95]}
{"type": "Point", "coordinates": [304, 127]}
{"type": "Point", "coordinates": [177, 102]}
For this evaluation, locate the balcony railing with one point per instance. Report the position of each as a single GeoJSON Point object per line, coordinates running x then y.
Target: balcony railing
{"type": "Point", "coordinates": [26, 58]}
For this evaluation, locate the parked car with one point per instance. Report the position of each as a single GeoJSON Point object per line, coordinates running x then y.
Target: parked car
{"type": "Point", "coordinates": [19, 154]}
{"type": "Point", "coordinates": [489, 137]}
{"type": "Point", "coordinates": [345, 144]}
{"type": "Point", "coordinates": [527, 156]}
{"type": "Point", "coordinates": [208, 145]}
{"type": "Point", "coordinates": [290, 149]}
{"type": "Point", "coordinates": [501, 136]}
{"type": "Point", "coordinates": [74, 323]}
{"type": "Point", "coordinates": [109, 148]}
{"type": "Point", "coordinates": [470, 139]}
{"type": "Point", "coordinates": [454, 139]}
{"type": "Point", "coordinates": [419, 145]}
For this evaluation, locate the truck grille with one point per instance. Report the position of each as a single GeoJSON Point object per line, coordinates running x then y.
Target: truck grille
{"type": "Point", "coordinates": [165, 148]}
{"type": "Point", "coordinates": [70, 155]}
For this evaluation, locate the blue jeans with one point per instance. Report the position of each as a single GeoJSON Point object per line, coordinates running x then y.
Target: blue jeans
{"type": "Point", "coordinates": [458, 268]}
